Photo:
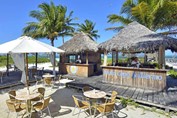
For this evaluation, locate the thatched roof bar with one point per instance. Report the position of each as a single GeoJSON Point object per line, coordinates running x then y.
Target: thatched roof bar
{"type": "Point", "coordinates": [80, 43]}
{"type": "Point", "coordinates": [137, 38]}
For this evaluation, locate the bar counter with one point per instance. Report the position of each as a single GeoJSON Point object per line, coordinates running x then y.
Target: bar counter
{"type": "Point", "coordinates": [136, 77]}
{"type": "Point", "coordinates": [83, 70]}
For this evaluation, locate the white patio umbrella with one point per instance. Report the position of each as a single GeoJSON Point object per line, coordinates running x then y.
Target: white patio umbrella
{"type": "Point", "coordinates": [25, 45]}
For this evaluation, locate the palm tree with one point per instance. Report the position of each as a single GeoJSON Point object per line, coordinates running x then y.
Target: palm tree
{"type": "Point", "coordinates": [50, 22]}
{"type": "Point", "coordinates": [147, 13]}
{"type": "Point", "coordinates": [68, 26]}
{"type": "Point", "coordinates": [88, 28]}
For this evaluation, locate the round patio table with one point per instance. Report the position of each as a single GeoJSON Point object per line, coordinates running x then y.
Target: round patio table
{"type": "Point", "coordinates": [25, 96]}
{"type": "Point", "coordinates": [95, 94]}
{"type": "Point", "coordinates": [47, 75]}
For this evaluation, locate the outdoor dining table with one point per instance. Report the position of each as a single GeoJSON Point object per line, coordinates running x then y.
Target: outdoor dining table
{"type": "Point", "coordinates": [48, 75]}
{"type": "Point", "coordinates": [95, 94]}
{"type": "Point", "coordinates": [25, 96]}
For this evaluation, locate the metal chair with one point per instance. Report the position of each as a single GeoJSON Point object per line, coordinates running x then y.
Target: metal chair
{"type": "Point", "coordinates": [87, 88]}
{"type": "Point", "coordinates": [14, 107]}
{"type": "Point", "coordinates": [81, 104]}
{"type": "Point", "coordinates": [48, 81]}
{"type": "Point", "coordinates": [59, 78]}
{"type": "Point", "coordinates": [42, 105]}
{"type": "Point", "coordinates": [113, 96]}
{"type": "Point", "coordinates": [40, 71]}
{"type": "Point", "coordinates": [105, 109]}
{"type": "Point", "coordinates": [33, 72]}
{"type": "Point", "coordinates": [38, 79]}
{"type": "Point", "coordinates": [40, 90]}
{"type": "Point", "coordinates": [110, 99]}
{"type": "Point", "coordinates": [12, 94]}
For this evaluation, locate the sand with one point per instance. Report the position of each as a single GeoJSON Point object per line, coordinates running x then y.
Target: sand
{"type": "Point", "coordinates": [62, 105]}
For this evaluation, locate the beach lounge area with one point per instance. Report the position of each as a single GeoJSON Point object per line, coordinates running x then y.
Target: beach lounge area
{"type": "Point", "coordinates": [59, 60]}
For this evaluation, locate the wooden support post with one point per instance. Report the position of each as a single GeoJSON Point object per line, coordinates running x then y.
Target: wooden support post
{"type": "Point", "coordinates": [161, 57]}
{"type": "Point", "coordinates": [36, 59]}
{"type": "Point", "coordinates": [117, 57]}
{"type": "Point", "coordinates": [105, 58]}
{"type": "Point", "coordinates": [145, 57]}
{"type": "Point", "coordinates": [86, 57]}
{"type": "Point", "coordinates": [54, 56]}
{"type": "Point", "coordinates": [63, 59]}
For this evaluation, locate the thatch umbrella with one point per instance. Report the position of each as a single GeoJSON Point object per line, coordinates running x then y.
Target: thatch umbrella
{"type": "Point", "coordinates": [138, 38]}
{"type": "Point", "coordinates": [79, 43]}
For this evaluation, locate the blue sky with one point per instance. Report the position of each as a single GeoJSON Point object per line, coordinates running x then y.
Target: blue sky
{"type": "Point", "coordinates": [15, 15]}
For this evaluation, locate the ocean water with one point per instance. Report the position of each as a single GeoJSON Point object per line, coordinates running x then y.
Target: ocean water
{"type": "Point", "coordinates": [123, 57]}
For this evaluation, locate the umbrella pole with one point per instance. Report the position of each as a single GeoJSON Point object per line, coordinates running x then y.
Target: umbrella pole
{"type": "Point", "coordinates": [27, 77]}
{"type": "Point", "coordinates": [54, 54]}
{"type": "Point", "coordinates": [7, 65]}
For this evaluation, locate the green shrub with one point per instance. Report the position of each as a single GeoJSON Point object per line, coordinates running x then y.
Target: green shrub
{"type": "Point", "coordinates": [31, 59]}
{"type": "Point", "coordinates": [173, 73]}
{"type": "Point", "coordinates": [124, 101]}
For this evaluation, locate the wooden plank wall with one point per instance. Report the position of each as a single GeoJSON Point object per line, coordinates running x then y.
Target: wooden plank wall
{"type": "Point", "coordinates": [135, 77]}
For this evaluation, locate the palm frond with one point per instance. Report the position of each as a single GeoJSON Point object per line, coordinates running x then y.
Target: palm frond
{"type": "Point", "coordinates": [113, 18]}
{"type": "Point", "coordinates": [116, 29]}
{"type": "Point", "coordinates": [89, 28]}
{"type": "Point", "coordinates": [127, 6]}
{"type": "Point", "coordinates": [142, 14]}
{"type": "Point", "coordinates": [52, 20]}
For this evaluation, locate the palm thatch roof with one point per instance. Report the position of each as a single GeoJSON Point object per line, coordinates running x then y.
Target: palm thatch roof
{"type": "Point", "coordinates": [138, 38]}
{"type": "Point", "coordinates": [79, 43]}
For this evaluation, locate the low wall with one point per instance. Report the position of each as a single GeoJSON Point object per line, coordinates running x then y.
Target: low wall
{"type": "Point", "coordinates": [83, 70]}
{"type": "Point", "coordinates": [135, 77]}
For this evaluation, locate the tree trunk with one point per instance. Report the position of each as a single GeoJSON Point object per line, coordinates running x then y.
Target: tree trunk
{"type": "Point", "coordinates": [63, 39]}
{"type": "Point", "coordinates": [52, 42]}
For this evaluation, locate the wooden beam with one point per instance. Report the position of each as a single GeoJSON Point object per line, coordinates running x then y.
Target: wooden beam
{"type": "Point", "coordinates": [117, 57]}
{"type": "Point", "coordinates": [105, 58]}
{"type": "Point", "coordinates": [36, 59]}
{"type": "Point", "coordinates": [161, 57]}
{"type": "Point", "coordinates": [145, 57]}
